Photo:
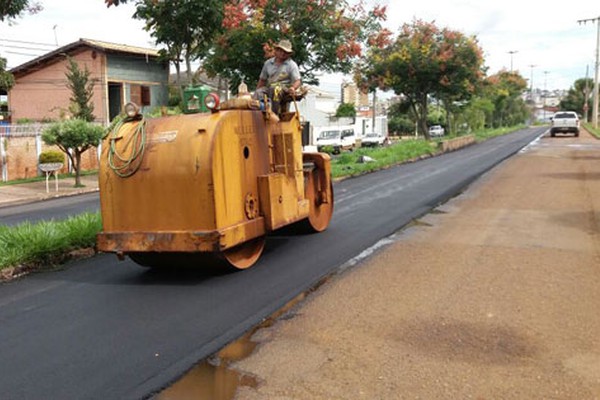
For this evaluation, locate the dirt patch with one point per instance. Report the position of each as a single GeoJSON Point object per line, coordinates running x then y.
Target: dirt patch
{"type": "Point", "coordinates": [494, 297]}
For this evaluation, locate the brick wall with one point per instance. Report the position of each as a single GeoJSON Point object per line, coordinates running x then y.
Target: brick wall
{"type": "Point", "coordinates": [19, 152]}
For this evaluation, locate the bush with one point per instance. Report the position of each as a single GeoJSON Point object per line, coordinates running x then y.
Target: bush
{"type": "Point", "coordinates": [51, 156]}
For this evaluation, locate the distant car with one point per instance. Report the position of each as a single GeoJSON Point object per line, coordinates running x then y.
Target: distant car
{"type": "Point", "coordinates": [436, 131]}
{"type": "Point", "coordinates": [564, 122]}
{"type": "Point", "coordinates": [338, 139]}
{"type": "Point", "coordinates": [372, 139]}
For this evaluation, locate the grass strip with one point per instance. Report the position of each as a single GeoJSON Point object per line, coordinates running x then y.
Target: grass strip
{"type": "Point", "coordinates": [45, 242]}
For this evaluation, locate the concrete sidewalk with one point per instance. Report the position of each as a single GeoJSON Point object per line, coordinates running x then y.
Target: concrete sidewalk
{"type": "Point", "coordinates": [36, 191]}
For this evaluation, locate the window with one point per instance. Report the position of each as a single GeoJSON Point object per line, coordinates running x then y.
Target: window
{"type": "Point", "coordinates": [140, 95]}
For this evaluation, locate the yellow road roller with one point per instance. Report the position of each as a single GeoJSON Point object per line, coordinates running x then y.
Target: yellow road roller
{"type": "Point", "coordinates": [204, 188]}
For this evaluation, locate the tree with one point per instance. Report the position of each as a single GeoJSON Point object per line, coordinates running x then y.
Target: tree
{"type": "Point", "coordinates": [186, 27]}
{"type": "Point", "coordinates": [11, 9]}
{"type": "Point", "coordinates": [426, 62]}
{"type": "Point", "coordinates": [73, 137]}
{"type": "Point", "coordinates": [504, 89]}
{"type": "Point", "coordinates": [575, 98]}
{"type": "Point", "coordinates": [327, 36]}
{"type": "Point", "coordinates": [7, 80]}
{"type": "Point", "coordinates": [82, 90]}
{"type": "Point", "coordinates": [346, 110]}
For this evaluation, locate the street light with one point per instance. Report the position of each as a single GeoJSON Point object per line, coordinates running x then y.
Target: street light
{"type": "Point", "coordinates": [511, 52]}
{"type": "Point", "coordinates": [531, 83]}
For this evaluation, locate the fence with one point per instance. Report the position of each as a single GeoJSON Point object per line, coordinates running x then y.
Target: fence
{"type": "Point", "coordinates": [20, 147]}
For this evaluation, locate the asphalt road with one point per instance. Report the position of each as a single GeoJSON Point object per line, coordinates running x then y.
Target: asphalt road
{"type": "Point", "coordinates": [102, 329]}
{"type": "Point", "coordinates": [58, 208]}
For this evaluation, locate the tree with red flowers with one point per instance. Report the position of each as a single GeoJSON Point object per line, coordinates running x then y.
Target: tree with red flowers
{"type": "Point", "coordinates": [327, 36]}
{"type": "Point", "coordinates": [425, 62]}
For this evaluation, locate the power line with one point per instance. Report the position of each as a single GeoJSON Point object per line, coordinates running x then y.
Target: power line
{"type": "Point", "coordinates": [26, 42]}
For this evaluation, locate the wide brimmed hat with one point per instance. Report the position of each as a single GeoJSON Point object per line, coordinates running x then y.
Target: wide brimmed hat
{"type": "Point", "coordinates": [285, 45]}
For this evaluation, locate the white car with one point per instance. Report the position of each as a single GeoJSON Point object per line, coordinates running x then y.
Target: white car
{"type": "Point", "coordinates": [436, 131]}
{"type": "Point", "coordinates": [338, 139]}
{"type": "Point", "coordinates": [372, 139]}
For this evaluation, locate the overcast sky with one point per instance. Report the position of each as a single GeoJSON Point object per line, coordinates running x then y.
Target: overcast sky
{"type": "Point", "coordinates": [548, 37]}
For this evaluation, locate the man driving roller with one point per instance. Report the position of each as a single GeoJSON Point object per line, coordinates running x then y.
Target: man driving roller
{"type": "Point", "coordinates": [279, 74]}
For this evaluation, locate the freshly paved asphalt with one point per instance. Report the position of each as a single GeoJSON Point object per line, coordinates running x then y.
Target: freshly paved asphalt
{"type": "Point", "coordinates": [101, 328]}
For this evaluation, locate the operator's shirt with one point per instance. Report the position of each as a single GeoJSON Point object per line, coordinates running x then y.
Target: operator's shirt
{"type": "Point", "coordinates": [287, 72]}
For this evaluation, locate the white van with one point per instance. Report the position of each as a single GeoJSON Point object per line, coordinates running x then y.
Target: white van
{"type": "Point", "coordinates": [338, 138]}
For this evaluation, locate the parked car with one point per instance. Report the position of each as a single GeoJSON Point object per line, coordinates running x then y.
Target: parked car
{"type": "Point", "coordinates": [436, 131]}
{"type": "Point", "coordinates": [338, 139]}
{"type": "Point", "coordinates": [564, 122]}
{"type": "Point", "coordinates": [372, 139]}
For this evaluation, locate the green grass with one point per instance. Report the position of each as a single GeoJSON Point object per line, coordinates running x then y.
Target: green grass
{"type": "Point", "coordinates": [348, 163]}
{"type": "Point", "coordinates": [47, 241]}
{"type": "Point", "coordinates": [590, 128]}
{"type": "Point", "coordinates": [44, 244]}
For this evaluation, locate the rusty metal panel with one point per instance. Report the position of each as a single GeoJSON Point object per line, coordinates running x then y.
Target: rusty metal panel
{"type": "Point", "coordinates": [172, 188]}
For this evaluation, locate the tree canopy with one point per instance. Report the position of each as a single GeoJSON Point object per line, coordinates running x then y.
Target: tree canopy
{"type": "Point", "coordinates": [575, 98]}
{"type": "Point", "coordinates": [7, 80]}
{"type": "Point", "coordinates": [74, 134]}
{"type": "Point", "coordinates": [326, 36]}
{"type": "Point", "coordinates": [187, 28]}
{"type": "Point", "coordinates": [11, 9]}
{"type": "Point", "coordinates": [504, 89]}
{"type": "Point", "coordinates": [424, 62]}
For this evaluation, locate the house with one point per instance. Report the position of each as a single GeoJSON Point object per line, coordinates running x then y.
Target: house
{"type": "Point", "coordinates": [120, 74]}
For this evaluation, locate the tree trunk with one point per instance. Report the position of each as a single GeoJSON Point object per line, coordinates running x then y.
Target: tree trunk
{"type": "Point", "coordinates": [76, 167]}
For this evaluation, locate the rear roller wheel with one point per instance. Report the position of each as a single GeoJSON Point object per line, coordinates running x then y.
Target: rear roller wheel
{"type": "Point", "coordinates": [321, 209]}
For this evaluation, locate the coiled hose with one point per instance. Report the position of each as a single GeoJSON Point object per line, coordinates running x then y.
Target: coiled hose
{"type": "Point", "coordinates": [126, 163]}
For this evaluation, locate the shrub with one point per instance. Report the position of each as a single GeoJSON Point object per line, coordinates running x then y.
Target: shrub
{"type": "Point", "coordinates": [51, 156]}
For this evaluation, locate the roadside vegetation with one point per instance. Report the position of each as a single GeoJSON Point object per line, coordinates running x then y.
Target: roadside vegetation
{"type": "Point", "coordinates": [49, 243]}
{"type": "Point", "coordinates": [590, 128]}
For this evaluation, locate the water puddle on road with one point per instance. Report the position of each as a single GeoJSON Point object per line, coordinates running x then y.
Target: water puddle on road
{"type": "Point", "coordinates": [213, 378]}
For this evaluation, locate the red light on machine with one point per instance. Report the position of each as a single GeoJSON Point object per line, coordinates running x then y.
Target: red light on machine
{"type": "Point", "coordinates": [211, 101]}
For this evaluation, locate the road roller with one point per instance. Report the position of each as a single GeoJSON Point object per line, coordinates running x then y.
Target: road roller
{"type": "Point", "coordinates": [206, 188]}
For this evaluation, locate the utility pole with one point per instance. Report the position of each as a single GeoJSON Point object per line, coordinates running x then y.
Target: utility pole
{"type": "Point", "coordinates": [586, 94]}
{"type": "Point", "coordinates": [545, 93]}
{"type": "Point", "coordinates": [511, 52]}
{"type": "Point", "coordinates": [595, 103]}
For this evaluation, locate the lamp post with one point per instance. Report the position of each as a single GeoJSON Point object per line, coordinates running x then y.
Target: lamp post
{"type": "Point", "coordinates": [511, 52]}
{"type": "Point", "coordinates": [531, 83]}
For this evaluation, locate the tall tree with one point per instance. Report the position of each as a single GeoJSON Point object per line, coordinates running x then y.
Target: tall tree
{"type": "Point", "coordinates": [504, 89]}
{"type": "Point", "coordinates": [187, 28]}
{"type": "Point", "coordinates": [425, 62]}
{"type": "Point", "coordinates": [7, 80]}
{"type": "Point", "coordinates": [327, 35]}
{"type": "Point", "coordinates": [575, 98]}
{"type": "Point", "coordinates": [82, 90]}
{"type": "Point", "coordinates": [11, 9]}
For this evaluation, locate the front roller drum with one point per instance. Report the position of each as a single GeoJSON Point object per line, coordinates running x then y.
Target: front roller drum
{"type": "Point", "coordinates": [241, 256]}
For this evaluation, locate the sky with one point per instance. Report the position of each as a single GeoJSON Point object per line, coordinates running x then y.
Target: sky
{"type": "Point", "coordinates": [543, 43]}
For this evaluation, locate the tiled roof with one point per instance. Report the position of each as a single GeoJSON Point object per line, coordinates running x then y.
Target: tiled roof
{"type": "Point", "coordinates": [42, 60]}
